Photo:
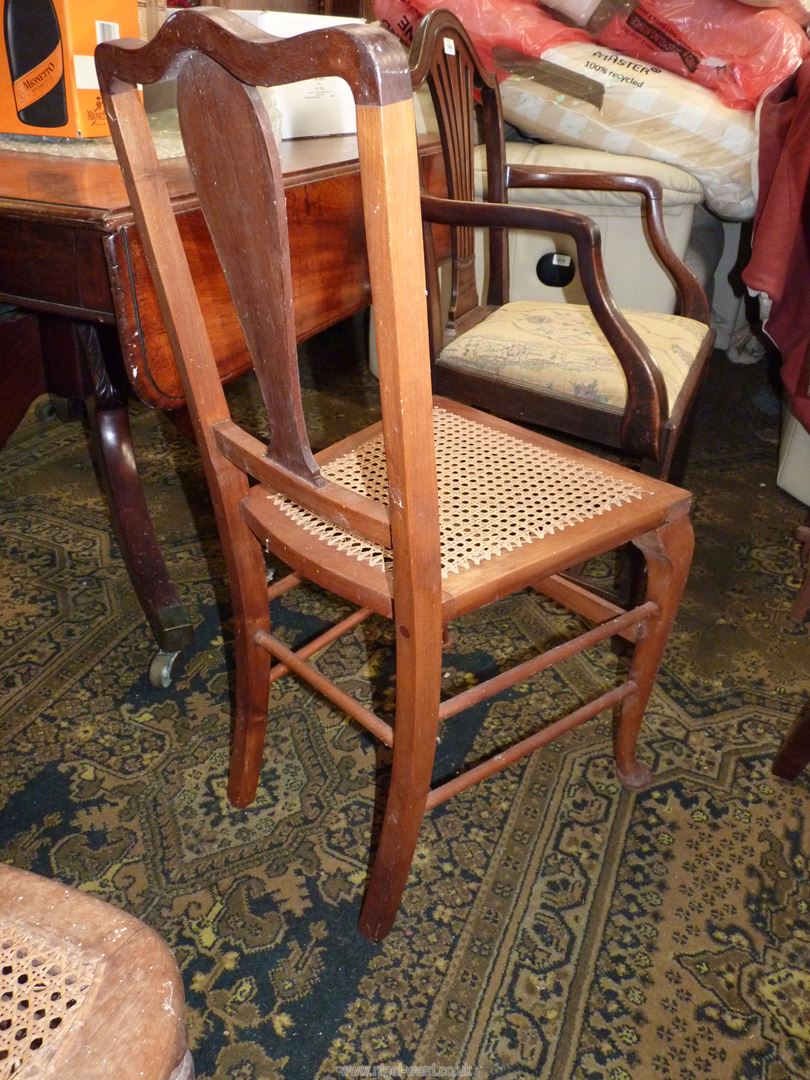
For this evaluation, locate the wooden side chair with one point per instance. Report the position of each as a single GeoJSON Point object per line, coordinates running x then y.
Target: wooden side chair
{"type": "Point", "coordinates": [426, 516]}
{"type": "Point", "coordinates": [88, 992]}
{"type": "Point", "coordinates": [626, 380]}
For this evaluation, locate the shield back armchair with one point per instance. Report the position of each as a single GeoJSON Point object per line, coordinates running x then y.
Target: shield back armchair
{"type": "Point", "coordinates": [627, 379]}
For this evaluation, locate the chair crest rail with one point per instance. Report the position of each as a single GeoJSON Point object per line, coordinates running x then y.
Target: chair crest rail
{"type": "Point", "coordinates": [377, 74]}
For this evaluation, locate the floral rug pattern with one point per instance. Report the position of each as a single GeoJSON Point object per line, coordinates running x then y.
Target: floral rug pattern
{"type": "Point", "coordinates": [554, 925]}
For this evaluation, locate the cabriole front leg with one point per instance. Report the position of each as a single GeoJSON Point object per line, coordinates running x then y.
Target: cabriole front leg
{"type": "Point", "coordinates": [668, 554]}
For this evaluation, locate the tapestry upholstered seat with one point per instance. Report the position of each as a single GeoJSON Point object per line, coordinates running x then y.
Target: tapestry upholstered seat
{"type": "Point", "coordinates": [560, 350]}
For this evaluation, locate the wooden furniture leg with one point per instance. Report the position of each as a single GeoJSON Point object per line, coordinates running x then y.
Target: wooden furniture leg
{"type": "Point", "coordinates": [419, 667]}
{"type": "Point", "coordinates": [668, 553]}
{"type": "Point", "coordinates": [794, 753]}
{"type": "Point", "coordinates": [82, 364]}
{"type": "Point", "coordinates": [802, 602]}
{"type": "Point", "coordinates": [108, 418]}
{"type": "Point", "coordinates": [251, 615]}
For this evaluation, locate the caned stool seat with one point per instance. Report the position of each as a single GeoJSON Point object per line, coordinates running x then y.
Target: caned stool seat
{"type": "Point", "coordinates": [86, 991]}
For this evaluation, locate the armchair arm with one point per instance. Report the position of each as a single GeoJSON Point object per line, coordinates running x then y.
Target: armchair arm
{"type": "Point", "coordinates": [646, 408]}
{"type": "Point", "coordinates": [692, 301]}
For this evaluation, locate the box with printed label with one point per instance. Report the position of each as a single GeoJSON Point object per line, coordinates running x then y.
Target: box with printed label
{"type": "Point", "coordinates": [151, 15]}
{"type": "Point", "coordinates": [315, 106]}
{"type": "Point", "coordinates": [48, 83]}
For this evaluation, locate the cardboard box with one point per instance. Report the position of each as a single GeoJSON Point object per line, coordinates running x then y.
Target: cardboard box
{"type": "Point", "coordinates": [151, 14]}
{"type": "Point", "coordinates": [48, 86]}
{"type": "Point", "coordinates": [315, 106]}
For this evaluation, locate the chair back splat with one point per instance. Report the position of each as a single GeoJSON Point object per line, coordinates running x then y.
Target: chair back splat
{"type": "Point", "coordinates": [465, 98]}
{"type": "Point", "coordinates": [426, 516]}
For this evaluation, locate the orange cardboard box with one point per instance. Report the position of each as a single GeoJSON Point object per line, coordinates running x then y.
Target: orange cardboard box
{"type": "Point", "coordinates": [48, 83]}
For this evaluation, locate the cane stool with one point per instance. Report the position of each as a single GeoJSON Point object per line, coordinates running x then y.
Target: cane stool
{"type": "Point", "coordinates": [86, 991]}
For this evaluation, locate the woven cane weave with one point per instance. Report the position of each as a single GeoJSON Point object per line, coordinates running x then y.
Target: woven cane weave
{"type": "Point", "coordinates": [43, 984]}
{"type": "Point", "coordinates": [496, 493]}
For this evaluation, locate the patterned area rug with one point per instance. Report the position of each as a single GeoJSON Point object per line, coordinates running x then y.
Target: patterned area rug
{"type": "Point", "coordinates": [554, 925]}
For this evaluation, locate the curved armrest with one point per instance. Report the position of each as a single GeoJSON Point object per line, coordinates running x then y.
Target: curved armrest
{"type": "Point", "coordinates": [692, 301]}
{"type": "Point", "coordinates": [646, 407]}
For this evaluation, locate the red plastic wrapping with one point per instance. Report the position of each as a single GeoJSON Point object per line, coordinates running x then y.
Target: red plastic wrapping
{"type": "Point", "coordinates": [398, 16]}
{"type": "Point", "coordinates": [797, 9]}
{"type": "Point", "coordinates": [739, 52]}
{"type": "Point", "coordinates": [511, 24]}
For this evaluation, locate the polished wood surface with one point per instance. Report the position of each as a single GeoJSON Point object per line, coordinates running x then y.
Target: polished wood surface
{"type": "Point", "coordinates": [71, 256]}
{"type": "Point", "coordinates": [69, 246]}
{"type": "Point", "coordinates": [330, 275]}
